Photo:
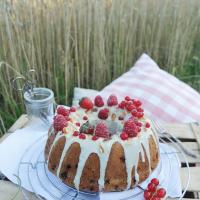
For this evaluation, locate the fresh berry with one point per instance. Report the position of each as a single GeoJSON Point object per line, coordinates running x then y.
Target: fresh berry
{"type": "Point", "coordinates": [124, 136]}
{"type": "Point", "coordinates": [103, 114]}
{"type": "Point", "coordinates": [86, 103]}
{"type": "Point", "coordinates": [128, 103]}
{"type": "Point", "coordinates": [138, 124]}
{"type": "Point", "coordinates": [72, 109]}
{"type": "Point", "coordinates": [134, 112]}
{"type": "Point", "coordinates": [98, 101]}
{"type": "Point", "coordinates": [82, 136]}
{"type": "Point", "coordinates": [155, 198]}
{"type": "Point", "coordinates": [90, 130]}
{"type": "Point", "coordinates": [140, 110]}
{"type": "Point", "coordinates": [137, 103]}
{"type": "Point", "coordinates": [76, 133]}
{"type": "Point", "coordinates": [127, 98]}
{"type": "Point", "coordinates": [122, 105]}
{"type": "Point", "coordinates": [112, 100]}
{"type": "Point", "coordinates": [130, 107]}
{"type": "Point", "coordinates": [161, 193]}
{"type": "Point", "coordinates": [147, 194]}
{"type": "Point", "coordinates": [67, 118]}
{"type": "Point", "coordinates": [130, 128]}
{"type": "Point", "coordinates": [94, 137]}
{"type": "Point", "coordinates": [102, 130]}
{"type": "Point", "coordinates": [147, 125]}
{"type": "Point", "coordinates": [85, 118]}
{"type": "Point", "coordinates": [121, 117]}
{"type": "Point", "coordinates": [155, 181]}
{"type": "Point", "coordinates": [61, 110]}
{"type": "Point", "coordinates": [151, 187]}
{"type": "Point", "coordinates": [78, 124]}
{"type": "Point", "coordinates": [59, 122]}
{"type": "Point", "coordinates": [140, 115]}
{"type": "Point", "coordinates": [138, 129]}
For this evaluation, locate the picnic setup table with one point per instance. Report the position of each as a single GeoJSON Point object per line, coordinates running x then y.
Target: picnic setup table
{"type": "Point", "coordinates": [187, 133]}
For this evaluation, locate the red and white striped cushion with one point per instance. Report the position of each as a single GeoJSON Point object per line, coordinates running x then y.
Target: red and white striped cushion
{"type": "Point", "coordinates": [164, 97]}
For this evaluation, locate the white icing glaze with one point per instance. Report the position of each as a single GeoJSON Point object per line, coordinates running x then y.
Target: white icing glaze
{"type": "Point", "coordinates": [132, 148]}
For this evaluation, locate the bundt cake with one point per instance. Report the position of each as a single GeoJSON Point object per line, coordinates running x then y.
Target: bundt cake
{"type": "Point", "coordinates": [102, 145]}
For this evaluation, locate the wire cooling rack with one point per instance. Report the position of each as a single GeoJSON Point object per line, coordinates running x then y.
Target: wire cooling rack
{"type": "Point", "coordinates": [37, 173]}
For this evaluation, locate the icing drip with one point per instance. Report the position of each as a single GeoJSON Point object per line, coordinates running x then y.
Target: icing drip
{"type": "Point", "coordinates": [104, 156]}
{"type": "Point", "coordinates": [131, 151]}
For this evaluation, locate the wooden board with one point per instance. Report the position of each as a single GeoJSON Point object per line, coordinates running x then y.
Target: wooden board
{"type": "Point", "coordinates": [189, 132]}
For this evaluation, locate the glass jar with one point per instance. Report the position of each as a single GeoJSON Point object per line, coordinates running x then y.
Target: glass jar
{"type": "Point", "coordinates": [40, 104]}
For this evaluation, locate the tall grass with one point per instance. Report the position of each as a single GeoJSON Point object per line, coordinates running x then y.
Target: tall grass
{"type": "Point", "coordinates": [88, 43]}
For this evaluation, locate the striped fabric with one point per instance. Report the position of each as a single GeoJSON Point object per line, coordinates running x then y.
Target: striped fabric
{"type": "Point", "coordinates": [164, 97]}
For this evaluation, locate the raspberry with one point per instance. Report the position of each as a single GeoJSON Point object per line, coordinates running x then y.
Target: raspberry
{"type": "Point", "coordinates": [103, 114]}
{"type": "Point", "coordinates": [72, 109]}
{"type": "Point", "coordinates": [86, 103]}
{"type": "Point", "coordinates": [102, 130]}
{"type": "Point", "coordinates": [155, 181]}
{"type": "Point", "coordinates": [147, 125]}
{"type": "Point", "coordinates": [138, 129]}
{"type": "Point", "coordinates": [128, 103]}
{"type": "Point", "coordinates": [85, 118]}
{"type": "Point", "coordinates": [134, 112]}
{"type": "Point", "coordinates": [130, 128]}
{"type": "Point", "coordinates": [161, 193]}
{"type": "Point", "coordinates": [130, 107]}
{"type": "Point", "coordinates": [82, 136]}
{"type": "Point", "coordinates": [151, 187]}
{"type": "Point", "coordinates": [94, 137]}
{"type": "Point", "coordinates": [137, 103]}
{"type": "Point", "coordinates": [140, 110]}
{"type": "Point", "coordinates": [138, 124]}
{"type": "Point", "coordinates": [140, 115]}
{"type": "Point", "coordinates": [98, 101]}
{"type": "Point", "coordinates": [124, 136]}
{"type": "Point", "coordinates": [78, 124]}
{"type": "Point", "coordinates": [147, 194]}
{"type": "Point", "coordinates": [76, 133]}
{"type": "Point", "coordinates": [90, 130]}
{"type": "Point", "coordinates": [112, 100]}
{"type": "Point", "coordinates": [122, 105]}
{"type": "Point", "coordinates": [127, 98]}
{"type": "Point", "coordinates": [59, 122]}
{"type": "Point", "coordinates": [67, 118]}
{"type": "Point", "coordinates": [155, 198]}
{"type": "Point", "coordinates": [61, 110]}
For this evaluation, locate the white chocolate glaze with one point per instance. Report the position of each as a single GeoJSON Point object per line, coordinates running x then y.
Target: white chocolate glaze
{"type": "Point", "coordinates": [133, 147]}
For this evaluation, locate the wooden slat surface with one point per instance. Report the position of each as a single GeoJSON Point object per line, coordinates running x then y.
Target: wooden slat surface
{"type": "Point", "coordinates": [184, 131]}
{"type": "Point", "coordinates": [181, 130]}
{"type": "Point", "coordinates": [194, 184]}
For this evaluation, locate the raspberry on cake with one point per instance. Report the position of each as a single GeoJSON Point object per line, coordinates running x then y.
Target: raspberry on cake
{"type": "Point", "coordinates": [109, 146]}
{"type": "Point", "coordinates": [98, 101]}
{"type": "Point", "coordinates": [103, 114]}
{"type": "Point", "coordinates": [86, 103]}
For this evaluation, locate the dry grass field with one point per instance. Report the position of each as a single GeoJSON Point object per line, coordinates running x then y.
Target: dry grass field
{"type": "Point", "coordinates": [88, 43]}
